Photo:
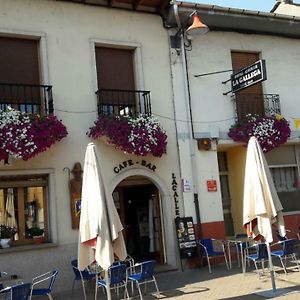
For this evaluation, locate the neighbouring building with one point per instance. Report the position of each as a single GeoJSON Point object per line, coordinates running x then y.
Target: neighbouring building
{"type": "Point", "coordinates": [206, 109]}
{"type": "Point", "coordinates": [76, 60]}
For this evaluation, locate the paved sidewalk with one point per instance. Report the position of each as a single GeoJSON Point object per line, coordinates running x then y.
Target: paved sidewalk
{"type": "Point", "coordinates": [199, 284]}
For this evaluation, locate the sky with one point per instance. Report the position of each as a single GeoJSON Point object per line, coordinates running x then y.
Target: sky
{"type": "Point", "coordinates": [261, 5]}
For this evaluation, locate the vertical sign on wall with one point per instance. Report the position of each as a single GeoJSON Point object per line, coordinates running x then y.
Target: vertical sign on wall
{"type": "Point", "coordinates": [175, 195]}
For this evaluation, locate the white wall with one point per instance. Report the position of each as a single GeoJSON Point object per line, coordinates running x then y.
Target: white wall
{"type": "Point", "coordinates": [212, 52]}
{"type": "Point", "coordinates": [69, 31]}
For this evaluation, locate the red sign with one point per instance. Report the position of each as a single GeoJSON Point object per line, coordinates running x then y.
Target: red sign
{"type": "Point", "coordinates": [211, 185]}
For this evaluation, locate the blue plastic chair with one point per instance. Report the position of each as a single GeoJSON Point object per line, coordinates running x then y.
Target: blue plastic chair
{"type": "Point", "coordinates": [208, 251]}
{"type": "Point", "coordinates": [16, 292]}
{"type": "Point", "coordinates": [287, 251]}
{"type": "Point", "coordinates": [260, 256]}
{"type": "Point", "coordinates": [116, 279]}
{"type": "Point", "coordinates": [83, 276]}
{"type": "Point", "coordinates": [49, 276]}
{"type": "Point", "coordinates": [144, 276]}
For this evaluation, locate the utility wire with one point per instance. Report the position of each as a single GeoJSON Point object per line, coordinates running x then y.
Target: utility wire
{"type": "Point", "coordinates": [157, 115]}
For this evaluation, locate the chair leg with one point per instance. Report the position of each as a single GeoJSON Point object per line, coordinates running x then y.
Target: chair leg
{"type": "Point", "coordinates": [255, 264]}
{"type": "Point", "coordinates": [83, 288]}
{"type": "Point", "coordinates": [73, 286]}
{"type": "Point", "coordinates": [139, 289]}
{"type": "Point", "coordinates": [296, 261]}
{"type": "Point", "coordinates": [49, 296]}
{"type": "Point", "coordinates": [226, 261]}
{"type": "Point", "coordinates": [156, 286]}
{"type": "Point", "coordinates": [283, 265]}
{"type": "Point", "coordinates": [208, 262]}
{"type": "Point", "coordinates": [126, 294]}
{"type": "Point", "coordinates": [96, 289]}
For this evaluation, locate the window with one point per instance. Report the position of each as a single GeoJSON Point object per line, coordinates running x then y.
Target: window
{"type": "Point", "coordinates": [20, 74]}
{"type": "Point", "coordinates": [285, 173]}
{"type": "Point", "coordinates": [286, 180]}
{"type": "Point", "coordinates": [23, 205]}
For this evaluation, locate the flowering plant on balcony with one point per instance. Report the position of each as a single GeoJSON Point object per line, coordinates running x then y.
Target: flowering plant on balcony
{"type": "Point", "coordinates": [271, 132]}
{"type": "Point", "coordinates": [24, 135]}
{"type": "Point", "coordinates": [139, 135]}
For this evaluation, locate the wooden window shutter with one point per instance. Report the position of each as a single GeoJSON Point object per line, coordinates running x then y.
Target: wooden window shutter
{"type": "Point", "coordinates": [249, 100]}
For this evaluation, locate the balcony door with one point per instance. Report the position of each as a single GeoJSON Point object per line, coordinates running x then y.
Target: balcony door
{"type": "Point", "coordinates": [249, 100]}
{"type": "Point", "coordinates": [116, 84]}
{"type": "Point", "coordinates": [19, 61]}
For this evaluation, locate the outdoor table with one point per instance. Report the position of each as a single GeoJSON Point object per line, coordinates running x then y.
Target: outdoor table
{"type": "Point", "coordinates": [10, 281]}
{"type": "Point", "coordinates": [239, 251]}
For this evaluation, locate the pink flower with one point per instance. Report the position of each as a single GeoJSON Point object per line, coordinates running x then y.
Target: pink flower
{"type": "Point", "coordinates": [25, 135]}
{"type": "Point", "coordinates": [139, 135]}
{"type": "Point", "coordinates": [271, 132]}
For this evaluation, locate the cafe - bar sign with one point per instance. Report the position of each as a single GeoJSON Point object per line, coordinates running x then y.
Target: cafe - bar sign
{"type": "Point", "coordinates": [248, 76]}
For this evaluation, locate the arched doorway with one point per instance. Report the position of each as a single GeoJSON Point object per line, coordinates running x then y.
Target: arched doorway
{"type": "Point", "coordinates": [139, 205]}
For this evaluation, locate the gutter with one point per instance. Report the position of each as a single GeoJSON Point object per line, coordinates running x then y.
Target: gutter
{"type": "Point", "coordinates": [239, 20]}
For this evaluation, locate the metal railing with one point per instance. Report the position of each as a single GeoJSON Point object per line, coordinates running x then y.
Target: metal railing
{"type": "Point", "coordinates": [123, 102]}
{"type": "Point", "coordinates": [256, 104]}
{"type": "Point", "coordinates": [29, 98]}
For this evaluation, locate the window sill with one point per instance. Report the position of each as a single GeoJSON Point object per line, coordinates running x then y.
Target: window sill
{"type": "Point", "coordinates": [27, 248]}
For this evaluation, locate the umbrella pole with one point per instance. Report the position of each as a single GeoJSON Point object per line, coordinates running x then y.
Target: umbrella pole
{"type": "Point", "coordinates": [108, 293]}
{"type": "Point", "coordinates": [271, 268]}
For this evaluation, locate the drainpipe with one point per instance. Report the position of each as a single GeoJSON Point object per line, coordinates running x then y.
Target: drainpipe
{"type": "Point", "coordinates": [190, 118]}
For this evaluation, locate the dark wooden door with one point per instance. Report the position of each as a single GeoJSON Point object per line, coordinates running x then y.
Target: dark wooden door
{"type": "Point", "coordinates": [249, 100]}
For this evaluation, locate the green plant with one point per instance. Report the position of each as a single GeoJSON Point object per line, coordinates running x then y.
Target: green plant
{"type": "Point", "coordinates": [36, 231]}
{"type": "Point", "coordinates": [7, 232]}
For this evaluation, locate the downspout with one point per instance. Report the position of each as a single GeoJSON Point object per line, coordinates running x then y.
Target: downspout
{"type": "Point", "coordinates": [190, 120]}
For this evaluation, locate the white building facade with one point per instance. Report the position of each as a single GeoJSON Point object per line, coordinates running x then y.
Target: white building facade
{"type": "Point", "coordinates": [207, 109]}
{"type": "Point", "coordinates": [70, 39]}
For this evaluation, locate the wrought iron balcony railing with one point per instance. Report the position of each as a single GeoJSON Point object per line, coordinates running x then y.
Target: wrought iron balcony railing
{"type": "Point", "coordinates": [256, 104]}
{"type": "Point", "coordinates": [27, 98]}
{"type": "Point", "coordinates": [123, 102]}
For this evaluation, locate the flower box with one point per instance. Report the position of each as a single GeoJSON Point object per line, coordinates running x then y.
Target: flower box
{"type": "Point", "coordinates": [141, 135]}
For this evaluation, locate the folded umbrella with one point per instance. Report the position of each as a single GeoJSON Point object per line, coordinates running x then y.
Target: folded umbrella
{"type": "Point", "coordinates": [100, 230]}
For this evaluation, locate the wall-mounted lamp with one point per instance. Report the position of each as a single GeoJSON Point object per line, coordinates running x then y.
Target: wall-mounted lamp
{"type": "Point", "coordinates": [197, 28]}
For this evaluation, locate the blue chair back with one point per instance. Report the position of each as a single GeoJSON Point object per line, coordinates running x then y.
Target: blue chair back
{"type": "Point", "coordinates": [85, 273]}
{"type": "Point", "coordinates": [53, 278]}
{"type": "Point", "coordinates": [117, 274]}
{"type": "Point", "coordinates": [147, 269]}
{"type": "Point", "coordinates": [262, 251]}
{"type": "Point", "coordinates": [20, 291]}
{"type": "Point", "coordinates": [208, 244]}
{"type": "Point", "coordinates": [288, 247]}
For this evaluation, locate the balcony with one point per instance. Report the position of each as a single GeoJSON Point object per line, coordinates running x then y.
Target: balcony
{"type": "Point", "coordinates": [27, 98]}
{"type": "Point", "coordinates": [256, 104]}
{"type": "Point", "coordinates": [123, 102]}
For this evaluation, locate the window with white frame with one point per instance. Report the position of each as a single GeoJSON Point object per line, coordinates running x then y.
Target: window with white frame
{"type": "Point", "coordinates": [284, 167]}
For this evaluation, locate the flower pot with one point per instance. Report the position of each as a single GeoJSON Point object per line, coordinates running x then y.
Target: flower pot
{"type": "Point", "coordinates": [38, 239]}
{"type": "Point", "coordinates": [5, 243]}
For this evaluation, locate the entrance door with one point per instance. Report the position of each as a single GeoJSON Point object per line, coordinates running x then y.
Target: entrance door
{"type": "Point", "coordinates": [139, 210]}
{"type": "Point", "coordinates": [226, 198]}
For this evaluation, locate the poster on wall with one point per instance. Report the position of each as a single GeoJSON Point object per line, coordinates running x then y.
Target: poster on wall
{"type": "Point", "coordinates": [186, 237]}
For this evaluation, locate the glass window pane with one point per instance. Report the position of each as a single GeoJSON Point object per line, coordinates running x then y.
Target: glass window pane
{"type": "Point", "coordinates": [222, 161]}
{"type": "Point", "coordinates": [282, 156]}
{"type": "Point", "coordinates": [287, 185]}
{"type": "Point", "coordinates": [34, 209]}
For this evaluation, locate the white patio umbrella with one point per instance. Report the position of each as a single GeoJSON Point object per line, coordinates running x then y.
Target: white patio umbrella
{"type": "Point", "coordinates": [262, 207]}
{"type": "Point", "coordinates": [100, 230]}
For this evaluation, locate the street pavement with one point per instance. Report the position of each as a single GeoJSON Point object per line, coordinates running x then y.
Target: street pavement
{"type": "Point", "coordinates": [199, 284]}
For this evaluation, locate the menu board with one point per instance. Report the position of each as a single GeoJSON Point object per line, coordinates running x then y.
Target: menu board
{"type": "Point", "coordinates": [186, 237]}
